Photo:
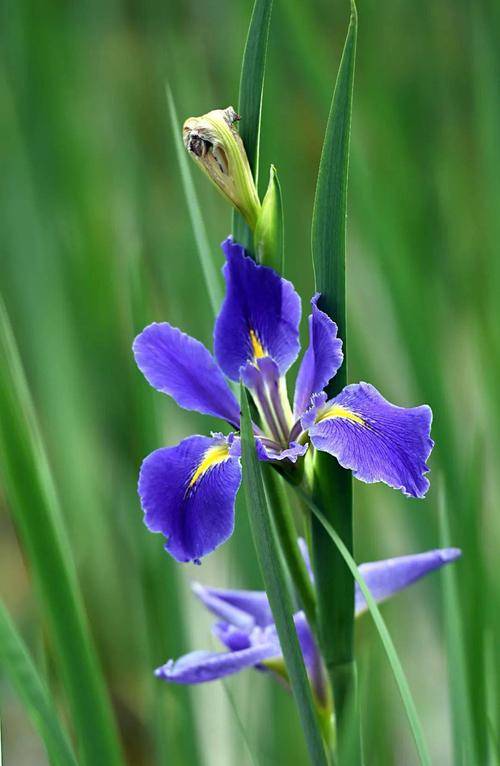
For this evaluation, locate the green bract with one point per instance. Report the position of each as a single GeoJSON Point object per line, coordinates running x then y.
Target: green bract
{"type": "Point", "coordinates": [268, 235]}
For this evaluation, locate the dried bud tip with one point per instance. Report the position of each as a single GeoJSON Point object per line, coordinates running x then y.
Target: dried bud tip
{"type": "Point", "coordinates": [230, 115]}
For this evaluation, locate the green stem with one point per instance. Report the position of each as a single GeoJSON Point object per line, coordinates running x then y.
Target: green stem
{"type": "Point", "coordinates": [332, 491]}
{"type": "Point", "coordinates": [287, 536]}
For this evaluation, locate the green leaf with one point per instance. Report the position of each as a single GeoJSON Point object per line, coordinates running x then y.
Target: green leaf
{"type": "Point", "coordinates": [330, 204]}
{"type": "Point", "coordinates": [18, 667]}
{"type": "Point", "coordinates": [276, 585]}
{"type": "Point", "coordinates": [31, 495]}
{"type": "Point", "coordinates": [269, 231]}
{"type": "Point", "coordinates": [250, 100]}
{"type": "Point", "coordinates": [390, 650]}
{"type": "Point", "coordinates": [332, 484]}
{"type": "Point", "coordinates": [211, 273]}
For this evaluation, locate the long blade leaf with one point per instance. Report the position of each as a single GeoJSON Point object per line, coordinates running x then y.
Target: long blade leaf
{"type": "Point", "coordinates": [32, 497]}
{"type": "Point", "coordinates": [390, 649]}
{"type": "Point", "coordinates": [276, 585]}
{"type": "Point", "coordinates": [210, 271]}
{"type": "Point", "coordinates": [328, 236]}
{"type": "Point", "coordinates": [250, 100]}
{"type": "Point", "coordinates": [332, 484]}
{"type": "Point", "coordinates": [18, 667]}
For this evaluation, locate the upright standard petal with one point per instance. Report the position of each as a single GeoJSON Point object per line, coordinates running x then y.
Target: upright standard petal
{"type": "Point", "coordinates": [376, 439]}
{"type": "Point", "coordinates": [260, 315]}
{"type": "Point", "coordinates": [321, 360]}
{"type": "Point", "coordinates": [384, 578]}
{"type": "Point", "coordinates": [180, 366]}
{"type": "Point", "coordinates": [188, 494]}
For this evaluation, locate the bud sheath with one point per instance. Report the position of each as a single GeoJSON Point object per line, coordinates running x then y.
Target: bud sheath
{"type": "Point", "coordinates": [268, 236]}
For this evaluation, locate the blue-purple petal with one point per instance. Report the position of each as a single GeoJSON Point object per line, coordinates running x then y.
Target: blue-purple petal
{"type": "Point", "coordinates": [312, 659]}
{"type": "Point", "coordinates": [252, 646]}
{"type": "Point", "coordinates": [234, 639]}
{"type": "Point", "coordinates": [375, 439]}
{"type": "Point", "coordinates": [261, 310]}
{"type": "Point", "coordinates": [223, 607]}
{"type": "Point", "coordinates": [201, 666]}
{"type": "Point", "coordinates": [268, 451]}
{"type": "Point", "coordinates": [188, 494]}
{"type": "Point", "coordinates": [384, 578]}
{"type": "Point", "coordinates": [181, 366]}
{"type": "Point", "coordinates": [251, 602]}
{"type": "Point", "coordinates": [321, 360]}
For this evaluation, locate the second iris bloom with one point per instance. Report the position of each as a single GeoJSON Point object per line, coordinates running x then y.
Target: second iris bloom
{"type": "Point", "coordinates": [188, 491]}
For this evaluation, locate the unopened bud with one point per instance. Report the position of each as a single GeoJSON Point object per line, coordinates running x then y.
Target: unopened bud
{"type": "Point", "coordinates": [268, 235]}
{"type": "Point", "coordinates": [215, 145]}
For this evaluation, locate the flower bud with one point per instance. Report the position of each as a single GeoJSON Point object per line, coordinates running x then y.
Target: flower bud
{"type": "Point", "coordinates": [217, 148]}
{"type": "Point", "coordinates": [268, 235]}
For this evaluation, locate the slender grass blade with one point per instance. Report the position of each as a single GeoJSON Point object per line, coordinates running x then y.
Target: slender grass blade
{"type": "Point", "coordinates": [239, 723]}
{"type": "Point", "coordinates": [210, 271]}
{"type": "Point", "coordinates": [18, 667]}
{"type": "Point", "coordinates": [390, 649]}
{"type": "Point", "coordinates": [276, 585]}
{"type": "Point", "coordinates": [250, 100]}
{"type": "Point", "coordinates": [463, 741]}
{"type": "Point", "coordinates": [32, 497]}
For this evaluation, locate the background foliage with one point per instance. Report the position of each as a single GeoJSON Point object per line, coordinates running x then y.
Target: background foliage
{"type": "Point", "coordinates": [96, 242]}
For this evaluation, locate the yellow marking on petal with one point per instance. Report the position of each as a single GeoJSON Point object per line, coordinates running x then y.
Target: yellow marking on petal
{"type": "Point", "coordinates": [337, 411]}
{"type": "Point", "coordinates": [257, 347]}
{"type": "Point", "coordinates": [211, 457]}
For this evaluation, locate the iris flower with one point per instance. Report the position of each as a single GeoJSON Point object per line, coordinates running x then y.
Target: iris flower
{"type": "Point", "coordinates": [247, 631]}
{"type": "Point", "coordinates": [188, 491]}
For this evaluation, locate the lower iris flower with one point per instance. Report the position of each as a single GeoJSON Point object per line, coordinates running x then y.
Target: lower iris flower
{"type": "Point", "coordinates": [188, 491]}
{"type": "Point", "coordinates": [247, 631]}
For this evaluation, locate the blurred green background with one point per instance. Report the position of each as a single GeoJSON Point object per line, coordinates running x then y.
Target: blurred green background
{"type": "Point", "coordinates": [96, 242]}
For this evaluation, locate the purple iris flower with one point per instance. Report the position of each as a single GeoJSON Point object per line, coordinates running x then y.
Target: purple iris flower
{"type": "Point", "coordinates": [247, 631]}
{"type": "Point", "coordinates": [188, 491]}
